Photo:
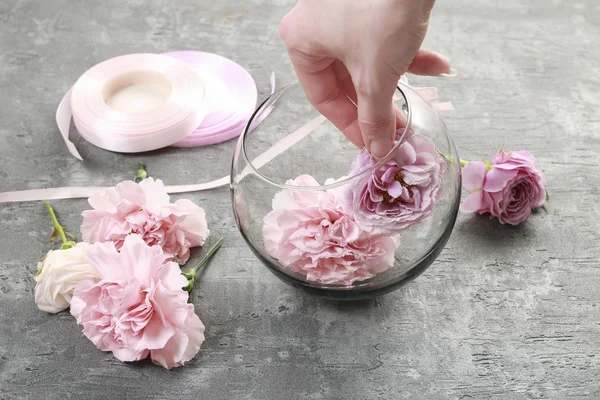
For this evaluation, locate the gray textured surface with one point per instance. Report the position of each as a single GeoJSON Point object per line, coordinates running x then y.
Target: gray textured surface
{"type": "Point", "coordinates": [504, 312]}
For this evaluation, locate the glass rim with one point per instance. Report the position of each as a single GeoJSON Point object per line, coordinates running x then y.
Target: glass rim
{"type": "Point", "coordinates": [347, 179]}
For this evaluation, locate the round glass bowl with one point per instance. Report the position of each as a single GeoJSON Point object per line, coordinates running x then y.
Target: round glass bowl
{"type": "Point", "coordinates": [326, 217]}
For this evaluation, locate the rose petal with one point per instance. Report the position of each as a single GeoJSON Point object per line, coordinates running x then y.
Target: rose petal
{"type": "Point", "coordinates": [394, 189]}
{"type": "Point", "coordinates": [473, 203]}
{"type": "Point", "coordinates": [473, 175]}
{"type": "Point", "coordinates": [497, 179]}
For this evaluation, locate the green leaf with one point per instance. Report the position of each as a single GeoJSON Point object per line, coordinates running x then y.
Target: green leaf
{"type": "Point", "coordinates": [501, 149]}
{"type": "Point", "coordinates": [71, 236]}
{"type": "Point", "coordinates": [547, 196]}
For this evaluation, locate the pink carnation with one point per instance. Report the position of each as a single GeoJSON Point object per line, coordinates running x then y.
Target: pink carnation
{"type": "Point", "coordinates": [139, 307]}
{"type": "Point", "coordinates": [308, 232]}
{"type": "Point", "coordinates": [144, 209]}
{"type": "Point", "coordinates": [508, 191]}
{"type": "Point", "coordinates": [400, 193]}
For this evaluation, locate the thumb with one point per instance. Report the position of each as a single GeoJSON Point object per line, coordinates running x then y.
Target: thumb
{"type": "Point", "coordinates": [377, 121]}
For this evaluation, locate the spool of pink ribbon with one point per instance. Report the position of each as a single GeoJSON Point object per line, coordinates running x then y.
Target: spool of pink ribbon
{"type": "Point", "coordinates": [231, 97]}
{"type": "Point", "coordinates": [133, 103]}
{"type": "Point", "coordinates": [142, 102]}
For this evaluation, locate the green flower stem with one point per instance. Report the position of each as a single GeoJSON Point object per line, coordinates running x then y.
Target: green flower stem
{"type": "Point", "coordinates": [141, 173]}
{"type": "Point", "coordinates": [450, 159]}
{"type": "Point", "coordinates": [58, 228]}
{"type": "Point", "coordinates": [190, 274]}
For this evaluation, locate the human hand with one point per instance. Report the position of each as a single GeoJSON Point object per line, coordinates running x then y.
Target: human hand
{"type": "Point", "coordinates": [349, 56]}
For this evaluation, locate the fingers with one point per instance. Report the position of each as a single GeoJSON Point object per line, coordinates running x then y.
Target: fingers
{"type": "Point", "coordinates": [329, 94]}
{"type": "Point", "coordinates": [429, 63]}
{"type": "Point", "coordinates": [377, 120]}
{"type": "Point", "coordinates": [352, 131]}
{"type": "Point", "coordinates": [345, 80]}
{"type": "Point", "coordinates": [401, 119]}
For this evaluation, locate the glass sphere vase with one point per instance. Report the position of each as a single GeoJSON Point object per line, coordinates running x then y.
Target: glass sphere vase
{"type": "Point", "coordinates": [327, 217]}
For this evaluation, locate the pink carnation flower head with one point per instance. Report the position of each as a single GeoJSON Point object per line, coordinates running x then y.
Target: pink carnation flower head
{"type": "Point", "coordinates": [400, 193]}
{"type": "Point", "coordinates": [509, 190]}
{"type": "Point", "coordinates": [144, 209]}
{"type": "Point", "coordinates": [139, 307]}
{"type": "Point", "coordinates": [309, 233]}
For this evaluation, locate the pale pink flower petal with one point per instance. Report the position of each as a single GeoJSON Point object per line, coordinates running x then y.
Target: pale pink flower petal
{"type": "Point", "coordinates": [183, 346]}
{"type": "Point", "coordinates": [497, 178]}
{"type": "Point", "coordinates": [473, 175]}
{"type": "Point", "coordinates": [138, 306]}
{"type": "Point", "coordinates": [473, 203]}
{"type": "Point", "coordinates": [144, 209]}
{"type": "Point", "coordinates": [154, 192]}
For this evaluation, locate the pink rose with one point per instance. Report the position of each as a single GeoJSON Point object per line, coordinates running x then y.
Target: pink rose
{"type": "Point", "coordinates": [143, 208]}
{"type": "Point", "coordinates": [309, 233]}
{"type": "Point", "coordinates": [139, 307]}
{"type": "Point", "coordinates": [509, 190]}
{"type": "Point", "coordinates": [399, 194]}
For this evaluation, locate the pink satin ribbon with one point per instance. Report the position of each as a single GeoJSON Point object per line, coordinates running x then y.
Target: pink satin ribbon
{"type": "Point", "coordinates": [230, 100]}
{"type": "Point", "coordinates": [278, 148]}
{"type": "Point", "coordinates": [86, 191]}
{"type": "Point", "coordinates": [128, 132]}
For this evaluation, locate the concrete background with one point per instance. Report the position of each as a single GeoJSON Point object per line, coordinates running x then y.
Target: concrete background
{"type": "Point", "coordinates": [504, 313]}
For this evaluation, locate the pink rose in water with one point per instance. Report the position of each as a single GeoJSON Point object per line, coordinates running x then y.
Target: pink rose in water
{"type": "Point", "coordinates": [309, 233]}
{"type": "Point", "coordinates": [399, 194]}
{"type": "Point", "coordinates": [139, 307]}
{"type": "Point", "coordinates": [143, 208]}
{"type": "Point", "coordinates": [509, 190]}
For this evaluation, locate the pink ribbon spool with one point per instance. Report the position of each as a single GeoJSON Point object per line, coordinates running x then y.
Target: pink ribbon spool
{"type": "Point", "coordinates": [231, 97]}
{"type": "Point", "coordinates": [134, 103]}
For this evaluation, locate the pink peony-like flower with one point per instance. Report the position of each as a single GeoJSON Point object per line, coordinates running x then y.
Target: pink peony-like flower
{"type": "Point", "coordinates": [509, 190]}
{"type": "Point", "coordinates": [144, 209]}
{"type": "Point", "coordinates": [400, 193]}
{"type": "Point", "coordinates": [139, 307]}
{"type": "Point", "coordinates": [308, 232]}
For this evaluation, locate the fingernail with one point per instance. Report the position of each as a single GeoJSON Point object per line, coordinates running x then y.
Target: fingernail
{"type": "Point", "coordinates": [450, 74]}
{"type": "Point", "coordinates": [380, 147]}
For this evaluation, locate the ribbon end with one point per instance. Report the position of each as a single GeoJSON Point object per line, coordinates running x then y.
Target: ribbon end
{"type": "Point", "coordinates": [63, 120]}
{"type": "Point", "coordinates": [272, 80]}
{"type": "Point", "coordinates": [74, 152]}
